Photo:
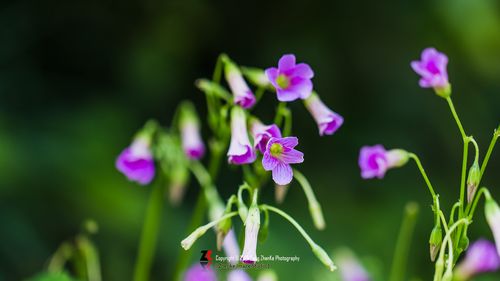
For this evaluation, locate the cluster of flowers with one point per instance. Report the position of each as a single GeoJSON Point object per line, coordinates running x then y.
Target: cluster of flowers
{"type": "Point", "coordinates": [248, 141]}
{"type": "Point", "coordinates": [374, 161]}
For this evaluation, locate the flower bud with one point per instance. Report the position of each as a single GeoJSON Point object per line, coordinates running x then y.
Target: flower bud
{"type": "Point", "coordinates": [435, 241]}
{"type": "Point", "coordinates": [189, 126]}
{"type": "Point", "coordinates": [252, 225]}
{"type": "Point", "coordinates": [243, 96]}
{"type": "Point", "coordinates": [328, 121]}
{"type": "Point", "coordinates": [473, 181]}
{"type": "Point", "coordinates": [222, 229]}
{"type": "Point", "coordinates": [323, 257]}
{"type": "Point", "coordinates": [280, 192]}
{"type": "Point", "coordinates": [317, 215]}
{"type": "Point", "coordinates": [492, 213]}
{"type": "Point", "coordinates": [256, 76]}
{"type": "Point", "coordinates": [189, 241]}
{"type": "Point", "coordinates": [179, 177]}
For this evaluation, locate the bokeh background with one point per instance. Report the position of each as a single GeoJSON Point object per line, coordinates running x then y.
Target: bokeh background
{"type": "Point", "coordinates": [78, 78]}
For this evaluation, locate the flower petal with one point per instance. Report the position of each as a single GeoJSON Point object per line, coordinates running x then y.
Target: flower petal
{"type": "Point", "coordinates": [269, 162]}
{"type": "Point", "coordinates": [282, 174]}
{"type": "Point", "coordinates": [292, 156]}
{"type": "Point", "coordinates": [286, 62]}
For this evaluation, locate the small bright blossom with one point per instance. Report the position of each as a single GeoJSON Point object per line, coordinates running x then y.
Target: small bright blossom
{"type": "Point", "coordinates": [279, 154]}
{"type": "Point", "coordinates": [240, 150]}
{"type": "Point", "coordinates": [432, 70]}
{"type": "Point", "coordinates": [243, 96]}
{"type": "Point", "coordinates": [263, 133]}
{"type": "Point", "coordinates": [291, 81]}
{"type": "Point", "coordinates": [492, 214]}
{"type": "Point", "coordinates": [252, 225]}
{"type": "Point", "coordinates": [328, 121]}
{"type": "Point", "coordinates": [238, 275]}
{"type": "Point", "coordinates": [136, 161]}
{"type": "Point", "coordinates": [198, 273]}
{"type": "Point", "coordinates": [481, 257]}
{"type": "Point", "coordinates": [374, 161]}
{"type": "Point", "coordinates": [191, 140]}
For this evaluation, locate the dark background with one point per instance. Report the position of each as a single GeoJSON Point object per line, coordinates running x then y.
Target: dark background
{"type": "Point", "coordinates": [78, 78]}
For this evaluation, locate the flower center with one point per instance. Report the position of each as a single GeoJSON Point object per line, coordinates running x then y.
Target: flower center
{"type": "Point", "coordinates": [276, 149]}
{"type": "Point", "coordinates": [283, 81]}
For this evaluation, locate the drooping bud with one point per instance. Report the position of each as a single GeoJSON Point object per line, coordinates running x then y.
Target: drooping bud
{"type": "Point", "coordinates": [473, 181]}
{"type": "Point", "coordinates": [252, 225]}
{"type": "Point", "coordinates": [189, 241]}
{"type": "Point", "coordinates": [492, 213]}
{"type": "Point", "coordinates": [240, 150]}
{"type": "Point", "coordinates": [328, 121]}
{"type": "Point", "coordinates": [435, 240]}
{"type": "Point", "coordinates": [189, 126]}
{"type": "Point", "coordinates": [323, 257]}
{"type": "Point", "coordinates": [374, 161]}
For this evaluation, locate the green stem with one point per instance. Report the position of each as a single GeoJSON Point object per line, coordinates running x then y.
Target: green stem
{"type": "Point", "coordinates": [403, 243]}
{"type": "Point", "coordinates": [447, 240]}
{"type": "Point", "coordinates": [149, 234]}
{"type": "Point", "coordinates": [482, 190]}
{"type": "Point", "coordinates": [424, 174]}
{"type": "Point", "coordinates": [314, 206]}
{"type": "Point", "coordinates": [278, 118]}
{"type": "Point", "coordinates": [455, 116]}
{"type": "Point", "coordinates": [488, 153]}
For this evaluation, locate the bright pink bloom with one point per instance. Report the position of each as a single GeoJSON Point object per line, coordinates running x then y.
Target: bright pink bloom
{"type": "Point", "coordinates": [481, 257]}
{"type": "Point", "coordinates": [374, 161]}
{"type": "Point", "coordinates": [136, 162]}
{"type": "Point", "coordinates": [263, 133]}
{"type": "Point", "coordinates": [328, 121]}
{"type": "Point", "coordinates": [279, 154]}
{"type": "Point", "coordinates": [291, 81]}
{"type": "Point", "coordinates": [432, 69]}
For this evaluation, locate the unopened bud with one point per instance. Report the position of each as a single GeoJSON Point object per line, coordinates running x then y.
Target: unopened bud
{"type": "Point", "coordinates": [435, 241]}
{"type": "Point", "coordinates": [317, 215]}
{"type": "Point", "coordinates": [473, 181]}
{"type": "Point", "coordinates": [222, 229]}
{"type": "Point", "coordinates": [280, 192]}
{"type": "Point", "coordinates": [323, 257]}
{"type": "Point", "coordinates": [189, 241]}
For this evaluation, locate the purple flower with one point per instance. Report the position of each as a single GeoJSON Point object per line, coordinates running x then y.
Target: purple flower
{"type": "Point", "coordinates": [481, 257]}
{"type": "Point", "coordinates": [352, 270]}
{"type": "Point", "coordinates": [374, 161]}
{"type": "Point", "coordinates": [240, 150]}
{"type": "Point", "coordinates": [252, 225]}
{"type": "Point", "coordinates": [243, 96]}
{"type": "Point", "coordinates": [432, 69]}
{"type": "Point", "coordinates": [262, 133]}
{"type": "Point", "coordinates": [198, 273]}
{"type": "Point", "coordinates": [136, 161]}
{"type": "Point", "coordinates": [492, 214]}
{"type": "Point", "coordinates": [279, 154]}
{"type": "Point", "coordinates": [191, 140]}
{"type": "Point", "coordinates": [291, 81]}
{"type": "Point", "coordinates": [328, 121]}
{"type": "Point", "coordinates": [238, 275]}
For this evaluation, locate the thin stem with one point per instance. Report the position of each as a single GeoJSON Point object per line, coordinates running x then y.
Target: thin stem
{"type": "Point", "coordinates": [447, 240]}
{"type": "Point", "coordinates": [424, 174]}
{"type": "Point", "coordinates": [278, 118]}
{"type": "Point", "coordinates": [488, 153]}
{"type": "Point", "coordinates": [401, 250]}
{"type": "Point", "coordinates": [455, 116]}
{"type": "Point", "coordinates": [443, 221]}
{"type": "Point", "coordinates": [464, 175]}
{"type": "Point", "coordinates": [149, 234]}
{"type": "Point", "coordinates": [292, 221]}
{"type": "Point", "coordinates": [476, 147]}
{"type": "Point", "coordinates": [453, 209]}
{"type": "Point", "coordinates": [482, 190]}
{"type": "Point", "coordinates": [314, 206]}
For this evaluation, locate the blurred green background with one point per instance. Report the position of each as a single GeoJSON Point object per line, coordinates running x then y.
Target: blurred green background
{"type": "Point", "coordinates": [78, 78]}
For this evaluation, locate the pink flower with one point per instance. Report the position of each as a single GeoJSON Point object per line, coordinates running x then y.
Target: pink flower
{"type": "Point", "coordinates": [243, 96]}
{"type": "Point", "coordinates": [481, 257]}
{"type": "Point", "coordinates": [263, 133]}
{"type": "Point", "coordinates": [374, 161]}
{"type": "Point", "coordinates": [191, 139]}
{"type": "Point", "coordinates": [291, 81]}
{"type": "Point", "coordinates": [432, 69]}
{"type": "Point", "coordinates": [198, 273]}
{"type": "Point", "coordinates": [240, 150]}
{"type": "Point", "coordinates": [328, 121]}
{"type": "Point", "coordinates": [136, 161]}
{"type": "Point", "coordinates": [279, 154]}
